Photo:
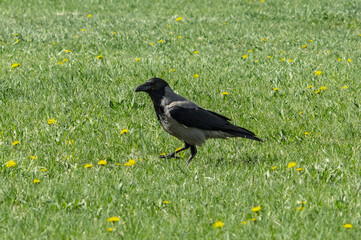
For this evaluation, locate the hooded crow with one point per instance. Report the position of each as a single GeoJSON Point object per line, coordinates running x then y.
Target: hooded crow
{"type": "Point", "coordinates": [186, 120]}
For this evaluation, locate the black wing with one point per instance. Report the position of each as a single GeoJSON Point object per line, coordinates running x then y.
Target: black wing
{"type": "Point", "coordinates": [199, 118]}
{"type": "Point", "coordinates": [207, 120]}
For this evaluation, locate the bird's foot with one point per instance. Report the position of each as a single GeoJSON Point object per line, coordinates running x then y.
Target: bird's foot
{"type": "Point", "coordinates": [171, 155]}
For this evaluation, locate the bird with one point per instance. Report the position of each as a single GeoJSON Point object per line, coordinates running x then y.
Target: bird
{"type": "Point", "coordinates": [186, 120]}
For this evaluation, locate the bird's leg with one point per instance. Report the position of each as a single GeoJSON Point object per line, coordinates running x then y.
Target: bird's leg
{"type": "Point", "coordinates": [193, 154]}
{"type": "Point", "coordinates": [172, 155]}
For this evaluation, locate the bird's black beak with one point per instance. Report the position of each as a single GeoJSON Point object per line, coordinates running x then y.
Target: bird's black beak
{"type": "Point", "coordinates": [142, 88]}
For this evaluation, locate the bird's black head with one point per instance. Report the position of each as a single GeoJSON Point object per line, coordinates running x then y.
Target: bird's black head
{"type": "Point", "coordinates": [153, 86]}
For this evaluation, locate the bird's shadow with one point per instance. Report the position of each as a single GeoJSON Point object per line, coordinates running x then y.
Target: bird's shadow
{"type": "Point", "coordinates": [235, 161]}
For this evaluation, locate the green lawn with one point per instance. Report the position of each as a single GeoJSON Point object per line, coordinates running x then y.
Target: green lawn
{"type": "Point", "coordinates": [292, 71]}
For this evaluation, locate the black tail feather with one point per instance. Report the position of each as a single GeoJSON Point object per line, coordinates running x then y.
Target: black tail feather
{"type": "Point", "coordinates": [242, 132]}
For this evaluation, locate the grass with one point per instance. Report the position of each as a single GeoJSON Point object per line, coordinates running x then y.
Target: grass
{"type": "Point", "coordinates": [92, 100]}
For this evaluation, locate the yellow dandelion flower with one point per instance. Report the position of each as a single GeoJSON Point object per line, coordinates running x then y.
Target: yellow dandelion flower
{"type": "Point", "coordinates": [89, 16]}
{"type": "Point", "coordinates": [318, 91]}
{"type": "Point", "coordinates": [151, 44]}
{"type": "Point", "coordinates": [345, 87]}
{"type": "Point", "coordinates": [244, 223]}
{"type": "Point", "coordinates": [276, 89]}
{"type": "Point", "coordinates": [323, 88]}
{"type": "Point", "coordinates": [291, 164]}
{"type": "Point", "coordinates": [179, 37]}
{"type": "Point", "coordinates": [300, 113]}
{"type": "Point", "coordinates": [60, 63]}
{"type": "Point", "coordinates": [196, 75]}
{"type": "Point", "coordinates": [347, 225]}
{"type": "Point", "coordinates": [83, 29]}
{"type": "Point", "coordinates": [110, 229]}
{"type": "Point", "coordinates": [300, 208]}
{"type": "Point", "coordinates": [43, 170]}
{"type": "Point", "coordinates": [262, 1]}
{"type": "Point", "coordinates": [256, 209]}
{"type": "Point", "coordinates": [178, 19]}
{"type": "Point", "coordinates": [36, 181]}
{"type": "Point", "coordinates": [88, 165]}
{"type": "Point", "coordinates": [303, 202]}
{"type": "Point", "coordinates": [102, 163]}
{"type": "Point", "coordinates": [113, 219]}
{"type": "Point", "coordinates": [274, 167]}
{"type": "Point", "coordinates": [65, 60]}
{"type": "Point", "coordinates": [328, 51]}
{"type": "Point", "coordinates": [269, 57]}
{"type": "Point", "coordinates": [165, 202]}
{"type": "Point", "coordinates": [225, 93]}
{"type": "Point", "coordinates": [137, 59]}
{"type": "Point", "coordinates": [310, 86]}
{"type": "Point", "coordinates": [307, 133]}
{"type": "Point", "coordinates": [249, 51]}
{"type": "Point", "coordinates": [123, 131]}
{"type": "Point", "coordinates": [318, 73]}
{"type": "Point", "coordinates": [15, 65]}
{"type": "Point", "coordinates": [299, 169]}
{"type": "Point", "coordinates": [263, 39]}
{"type": "Point", "coordinates": [33, 157]}
{"type": "Point", "coordinates": [51, 121]}
{"type": "Point", "coordinates": [282, 59]}
{"type": "Point", "coordinates": [160, 41]}
{"type": "Point", "coordinates": [172, 70]}
{"type": "Point", "coordinates": [16, 143]}
{"type": "Point", "coordinates": [168, 26]}
{"type": "Point", "coordinates": [131, 162]}
{"type": "Point", "coordinates": [290, 60]}
{"type": "Point", "coordinates": [10, 164]}
{"type": "Point", "coordinates": [304, 46]}
{"type": "Point", "coordinates": [218, 224]}
{"type": "Point", "coordinates": [54, 43]}
{"type": "Point", "coordinates": [282, 51]}
{"type": "Point", "coordinates": [349, 60]}
{"type": "Point", "coordinates": [16, 34]}
{"type": "Point", "coordinates": [100, 57]}
{"type": "Point", "coordinates": [340, 59]}
{"type": "Point", "coordinates": [224, 23]}
{"type": "Point", "coordinates": [114, 33]}
{"type": "Point", "coordinates": [195, 52]}
{"type": "Point", "coordinates": [67, 51]}
{"type": "Point", "coordinates": [253, 219]}
{"type": "Point", "coordinates": [310, 40]}
{"type": "Point", "coordinates": [75, 36]}
{"type": "Point", "coordinates": [244, 56]}
{"type": "Point", "coordinates": [256, 61]}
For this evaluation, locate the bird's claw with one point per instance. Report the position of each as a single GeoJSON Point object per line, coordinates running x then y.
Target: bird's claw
{"type": "Point", "coordinates": [172, 155]}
